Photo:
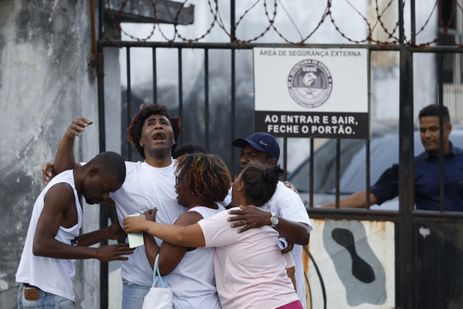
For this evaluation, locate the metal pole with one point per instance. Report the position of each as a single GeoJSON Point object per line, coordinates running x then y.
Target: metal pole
{"type": "Point", "coordinates": [180, 91]}
{"type": "Point", "coordinates": [155, 76]}
{"type": "Point", "coordinates": [404, 228]}
{"type": "Point", "coordinates": [338, 171]}
{"type": "Point", "coordinates": [233, 87]}
{"type": "Point", "coordinates": [311, 173]}
{"type": "Point", "coordinates": [206, 98]}
{"type": "Point", "coordinates": [285, 156]}
{"type": "Point", "coordinates": [104, 214]}
{"type": "Point", "coordinates": [128, 114]}
{"type": "Point", "coordinates": [367, 142]}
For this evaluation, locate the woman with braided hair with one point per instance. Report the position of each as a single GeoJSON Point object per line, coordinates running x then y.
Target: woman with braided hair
{"type": "Point", "coordinates": [250, 270]}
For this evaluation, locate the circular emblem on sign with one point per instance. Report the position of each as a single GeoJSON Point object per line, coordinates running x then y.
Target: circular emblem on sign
{"type": "Point", "coordinates": [310, 83]}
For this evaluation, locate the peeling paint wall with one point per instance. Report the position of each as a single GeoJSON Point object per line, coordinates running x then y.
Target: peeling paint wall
{"type": "Point", "coordinates": [45, 82]}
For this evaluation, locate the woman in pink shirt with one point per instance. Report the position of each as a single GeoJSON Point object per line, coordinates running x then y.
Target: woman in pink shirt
{"type": "Point", "coordinates": [250, 270]}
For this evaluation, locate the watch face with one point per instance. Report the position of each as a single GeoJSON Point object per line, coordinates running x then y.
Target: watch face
{"type": "Point", "coordinates": [274, 220]}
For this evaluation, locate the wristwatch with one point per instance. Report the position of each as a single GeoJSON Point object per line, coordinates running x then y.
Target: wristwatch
{"type": "Point", "coordinates": [273, 220]}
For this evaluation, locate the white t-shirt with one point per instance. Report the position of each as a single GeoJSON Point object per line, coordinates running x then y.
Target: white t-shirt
{"type": "Point", "coordinates": [287, 204]}
{"type": "Point", "coordinates": [51, 275]}
{"type": "Point", "coordinates": [250, 269]}
{"type": "Point", "coordinates": [146, 187]}
{"type": "Point", "coordinates": [193, 280]}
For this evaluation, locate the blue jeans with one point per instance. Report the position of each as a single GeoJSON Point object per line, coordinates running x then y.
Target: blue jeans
{"type": "Point", "coordinates": [45, 301]}
{"type": "Point", "coordinates": [133, 295]}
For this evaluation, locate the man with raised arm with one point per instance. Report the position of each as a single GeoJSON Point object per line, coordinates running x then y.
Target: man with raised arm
{"type": "Point", "coordinates": [149, 184]}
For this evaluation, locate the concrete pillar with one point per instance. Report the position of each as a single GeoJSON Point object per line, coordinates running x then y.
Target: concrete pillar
{"type": "Point", "coordinates": [45, 82]}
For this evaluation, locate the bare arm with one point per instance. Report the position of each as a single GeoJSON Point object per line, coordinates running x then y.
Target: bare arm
{"type": "Point", "coordinates": [58, 201]}
{"type": "Point", "coordinates": [113, 232]}
{"type": "Point", "coordinates": [252, 217]}
{"type": "Point", "coordinates": [294, 231]}
{"type": "Point", "coordinates": [356, 200]}
{"type": "Point", "coordinates": [151, 247]}
{"type": "Point", "coordinates": [64, 158]}
{"type": "Point", "coordinates": [291, 272]}
{"type": "Point", "coordinates": [185, 236]}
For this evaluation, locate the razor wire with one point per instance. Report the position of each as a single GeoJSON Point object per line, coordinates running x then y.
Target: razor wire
{"type": "Point", "coordinates": [376, 31]}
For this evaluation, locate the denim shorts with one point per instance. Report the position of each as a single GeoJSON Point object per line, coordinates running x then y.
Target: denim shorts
{"type": "Point", "coordinates": [45, 301]}
{"type": "Point", "coordinates": [133, 295]}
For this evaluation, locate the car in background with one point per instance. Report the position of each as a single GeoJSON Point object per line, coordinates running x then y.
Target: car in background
{"type": "Point", "coordinates": [384, 151]}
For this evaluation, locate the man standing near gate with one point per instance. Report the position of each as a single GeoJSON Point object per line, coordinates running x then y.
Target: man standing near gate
{"type": "Point", "coordinates": [285, 211]}
{"type": "Point", "coordinates": [427, 170]}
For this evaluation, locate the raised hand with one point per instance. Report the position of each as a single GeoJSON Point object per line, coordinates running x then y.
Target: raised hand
{"type": "Point", "coordinates": [77, 127]}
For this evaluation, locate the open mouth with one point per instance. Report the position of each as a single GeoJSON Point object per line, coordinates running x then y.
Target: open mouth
{"type": "Point", "coordinates": [159, 137]}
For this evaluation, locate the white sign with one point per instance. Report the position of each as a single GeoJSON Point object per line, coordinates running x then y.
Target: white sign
{"type": "Point", "coordinates": [311, 92]}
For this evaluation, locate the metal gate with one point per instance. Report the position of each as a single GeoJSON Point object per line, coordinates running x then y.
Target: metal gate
{"type": "Point", "coordinates": [426, 274]}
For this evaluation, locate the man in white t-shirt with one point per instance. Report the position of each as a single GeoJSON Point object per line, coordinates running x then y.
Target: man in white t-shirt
{"type": "Point", "coordinates": [148, 184]}
{"type": "Point", "coordinates": [285, 211]}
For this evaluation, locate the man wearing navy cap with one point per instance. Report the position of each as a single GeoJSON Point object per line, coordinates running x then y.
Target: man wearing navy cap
{"type": "Point", "coordinates": [259, 146]}
{"type": "Point", "coordinates": [285, 211]}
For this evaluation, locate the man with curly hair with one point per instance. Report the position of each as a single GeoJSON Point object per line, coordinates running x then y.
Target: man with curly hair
{"type": "Point", "coordinates": [148, 184]}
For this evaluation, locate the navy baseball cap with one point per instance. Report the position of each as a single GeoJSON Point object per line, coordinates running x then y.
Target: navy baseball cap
{"type": "Point", "coordinates": [260, 141]}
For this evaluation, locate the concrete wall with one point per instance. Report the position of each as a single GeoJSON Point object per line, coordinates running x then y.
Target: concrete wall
{"type": "Point", "coordinates": [45, 82]}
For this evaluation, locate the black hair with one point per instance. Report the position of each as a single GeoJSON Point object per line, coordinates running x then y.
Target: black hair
{"type": "Point", "coordinates": [260, 182]}
{"type": "Point", "coordinates": [435, 110]}
{"type": "Point", "coordinates": [136, 125]}
{"type": "Point", "coordinates": [110, 163]}
{"type": "Point", "coordinates": [187, 149]}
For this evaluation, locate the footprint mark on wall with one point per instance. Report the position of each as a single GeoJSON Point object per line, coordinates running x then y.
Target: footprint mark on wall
{"type": "Point", "coordinates": [360, 269]}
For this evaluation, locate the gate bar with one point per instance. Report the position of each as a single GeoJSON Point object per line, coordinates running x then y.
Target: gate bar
{"type": "Point", "coordinates": [104, 213]}
{"type": "Point", "coordinates": [155, 75]}
{"type": "Point", "coordinates": [405, 274]}
{"type": "Point", "coordinates": [128, 114]}
{"type": "Point", "coordinates": [206, 98]}
{"type": "Point", "coordinates": [180, 89]}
